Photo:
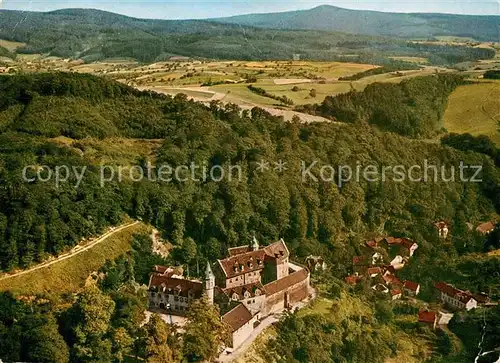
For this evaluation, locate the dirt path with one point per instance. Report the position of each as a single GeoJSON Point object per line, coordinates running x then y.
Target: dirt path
{"type": "Point", "coordinates": [75, 251]}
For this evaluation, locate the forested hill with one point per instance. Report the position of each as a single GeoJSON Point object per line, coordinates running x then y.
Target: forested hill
{"type": "Point", "coordinates": [94, 116]}
{"type": "Point", "coordinates": [333, 18]}
{"type": "Point", "coordinates": [94, 35]}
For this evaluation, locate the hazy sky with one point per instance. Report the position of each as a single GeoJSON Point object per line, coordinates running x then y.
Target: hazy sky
{"type": "Point", "coordinates": [182, 9]}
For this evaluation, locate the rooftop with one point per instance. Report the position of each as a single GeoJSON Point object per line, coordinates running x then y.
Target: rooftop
{"type": "Point", "coordinates": [427, 317]}
{"type": "Point", "coordinates": [237, 317]}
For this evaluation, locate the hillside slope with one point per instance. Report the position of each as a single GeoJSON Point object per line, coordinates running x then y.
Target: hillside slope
{"type": "Point", "coordinates": [96, 35]}
{"type": "Point", "coordinates": [332, 18]}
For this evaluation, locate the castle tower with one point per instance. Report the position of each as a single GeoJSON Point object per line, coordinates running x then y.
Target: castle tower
{"type": "Point", "coordinates": [209, 284]}
{"type": "Point", "coordinates": [254, 246]}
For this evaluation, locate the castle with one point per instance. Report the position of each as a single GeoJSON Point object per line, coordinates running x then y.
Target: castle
{"type": "Point", "coordinates": [248, 285]}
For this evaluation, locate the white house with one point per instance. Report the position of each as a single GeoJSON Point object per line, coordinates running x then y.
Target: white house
{"type": "Point", "coordinates": [377, 258]}
{"type": "Point", "coordinates": [454, 297]}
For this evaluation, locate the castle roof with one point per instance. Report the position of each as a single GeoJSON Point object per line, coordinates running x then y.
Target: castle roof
{"type": "Point", "coordinates": [171, 284]}
{"type": "Point", "coordinates": [237, 317]}
{"type": "Point", "coordinates": [241, 263]}
{"type": "Point", "coordinates": [286, 282]}
{"type": "Point", "coordinates": [252, 288]}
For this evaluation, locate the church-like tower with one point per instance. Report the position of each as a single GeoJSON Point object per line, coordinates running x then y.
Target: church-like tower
{"type": "Point", "coordinates": [209, 284]}
{"type": "Point", "coordinates": [254, 245]}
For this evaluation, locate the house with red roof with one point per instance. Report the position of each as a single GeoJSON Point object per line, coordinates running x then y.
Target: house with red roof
{"type": "Point", "coordinates": [486, 228]}
{"type": "Point", "coordinates": [411, 288]}
{"type": "Point", "coordinates": [396, 294]}
{"type": "Point", "coordinates": [443, 229]}
{"type": "Point", "coordinates": [455, 298]}
{"type": "Point", "coordinates": [427, 317]}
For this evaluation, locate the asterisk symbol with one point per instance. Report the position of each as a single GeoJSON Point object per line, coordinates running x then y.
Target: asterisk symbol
{"type": "Point", "coordinates": [280, 166]}
{"type": "Point", "coordinates": [262, 166]}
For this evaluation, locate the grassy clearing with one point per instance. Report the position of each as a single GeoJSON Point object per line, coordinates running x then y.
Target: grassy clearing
{"type": "Point", "coordinates": [11, 46]}
{"type": "Point", "coordinates": [70, 275]}
{"type": "Point", "coordinates": [475, 109]}
{"type": "Point", "coordinates": [112, 151]}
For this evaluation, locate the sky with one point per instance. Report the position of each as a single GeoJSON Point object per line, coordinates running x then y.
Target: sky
{"type": "Point", "coordinates": [186, 9]}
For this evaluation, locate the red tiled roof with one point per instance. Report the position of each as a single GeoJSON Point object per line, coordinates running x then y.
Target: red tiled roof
{"type": "Point", "coordinates": [238, 250]}
{"type": "Point", "coordinates": [277, 250]}
{"type": "Point", "coordinates": [389, 268]}
{"type": "Point", "coordinates": [374, 270]}
{"type": "Point", "coordinates": [405, 242]}
{"type": "Point", "coordinates": [486, 227]}
{"type": "Point", "coordinates": [352, 280]}
{"type": "Point", "coordinates": [286, 282]}
{"type": "Point", "coordinates": [240, 290]}
{"type": "Point", "coordinates": [183, 286]}
{"type": "Point", "coordinates": [239, 264]}
{"type": "Point", "coordinates": [243, 263]}
{"type": "Point", "coordinates": [427, 317]}
{"type": "Point", "coordinates": [451, 291]}
{"type": "Point", "coordinates": [391, 279]}
{"type": "Point", "coordinates": [395, 292]}
{"type": "Point", "coordinates": [410, 285]}
{"type": "Point", "coordinates": [356, 260]}
{"type": "Point", "coordinates": [393, 240]}
{"type": "Point", "coordinates": [237, 317]}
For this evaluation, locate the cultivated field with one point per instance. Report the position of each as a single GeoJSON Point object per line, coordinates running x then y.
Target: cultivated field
{"type": "Point", "coordinates": [11, 46]}
{"type": "Point", "coordinates": [475, 109]}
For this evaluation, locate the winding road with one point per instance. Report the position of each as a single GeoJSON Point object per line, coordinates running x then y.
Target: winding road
{"type": "Point", "coordinates": [75, 251]}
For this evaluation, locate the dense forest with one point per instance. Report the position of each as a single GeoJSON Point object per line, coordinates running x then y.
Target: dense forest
{"type": "Point", "coordinates": [412, 26]}
{"type": "Point", "coordinates": [96, 35]}
{"type": "Point", "coordinates": [202, 217]}
{"type": "Point", "coordinates": [39, 218]}
{"type": "Point", "coordinates": [413, 107]}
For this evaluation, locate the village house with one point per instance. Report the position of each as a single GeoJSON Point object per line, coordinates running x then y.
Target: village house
{"type": "Point", "coordinates": [380, 288]}
{"type": "Point", "coordinates": [398, 262]}
{"type": "Point", "coordinates": [408, 246]}
{"type": "Point", "coordinates": [315, 263]}
{"type": "Point", "coordinates": [353, 279]}
{"type": "Point", "coordinates": [411, 288]}
{"type": "Point", "coordinates": [374, 271]}
{"type": "Point", "coordinates": [486, 228]}
{"type": "Point", "coordinates": [427, 317]}
{"type": "Point", "coordinates": [396, 294]}
{"type": "Point", "coordinates": [404, 245]}
{"type": "Point", "coordinates": [455, 298]}
{"type": "Point", "coordinates": [377, 258]}
{"type": "Point", "coordinates": [251, 283]}
{"type": "Point", "coordinates": [443, 229]}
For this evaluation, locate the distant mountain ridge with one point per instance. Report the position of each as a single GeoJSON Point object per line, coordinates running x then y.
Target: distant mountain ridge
{"type": "Point", "coordinates": [94, 35]}
{"type": "Point", "coordinates": [411, 25]}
